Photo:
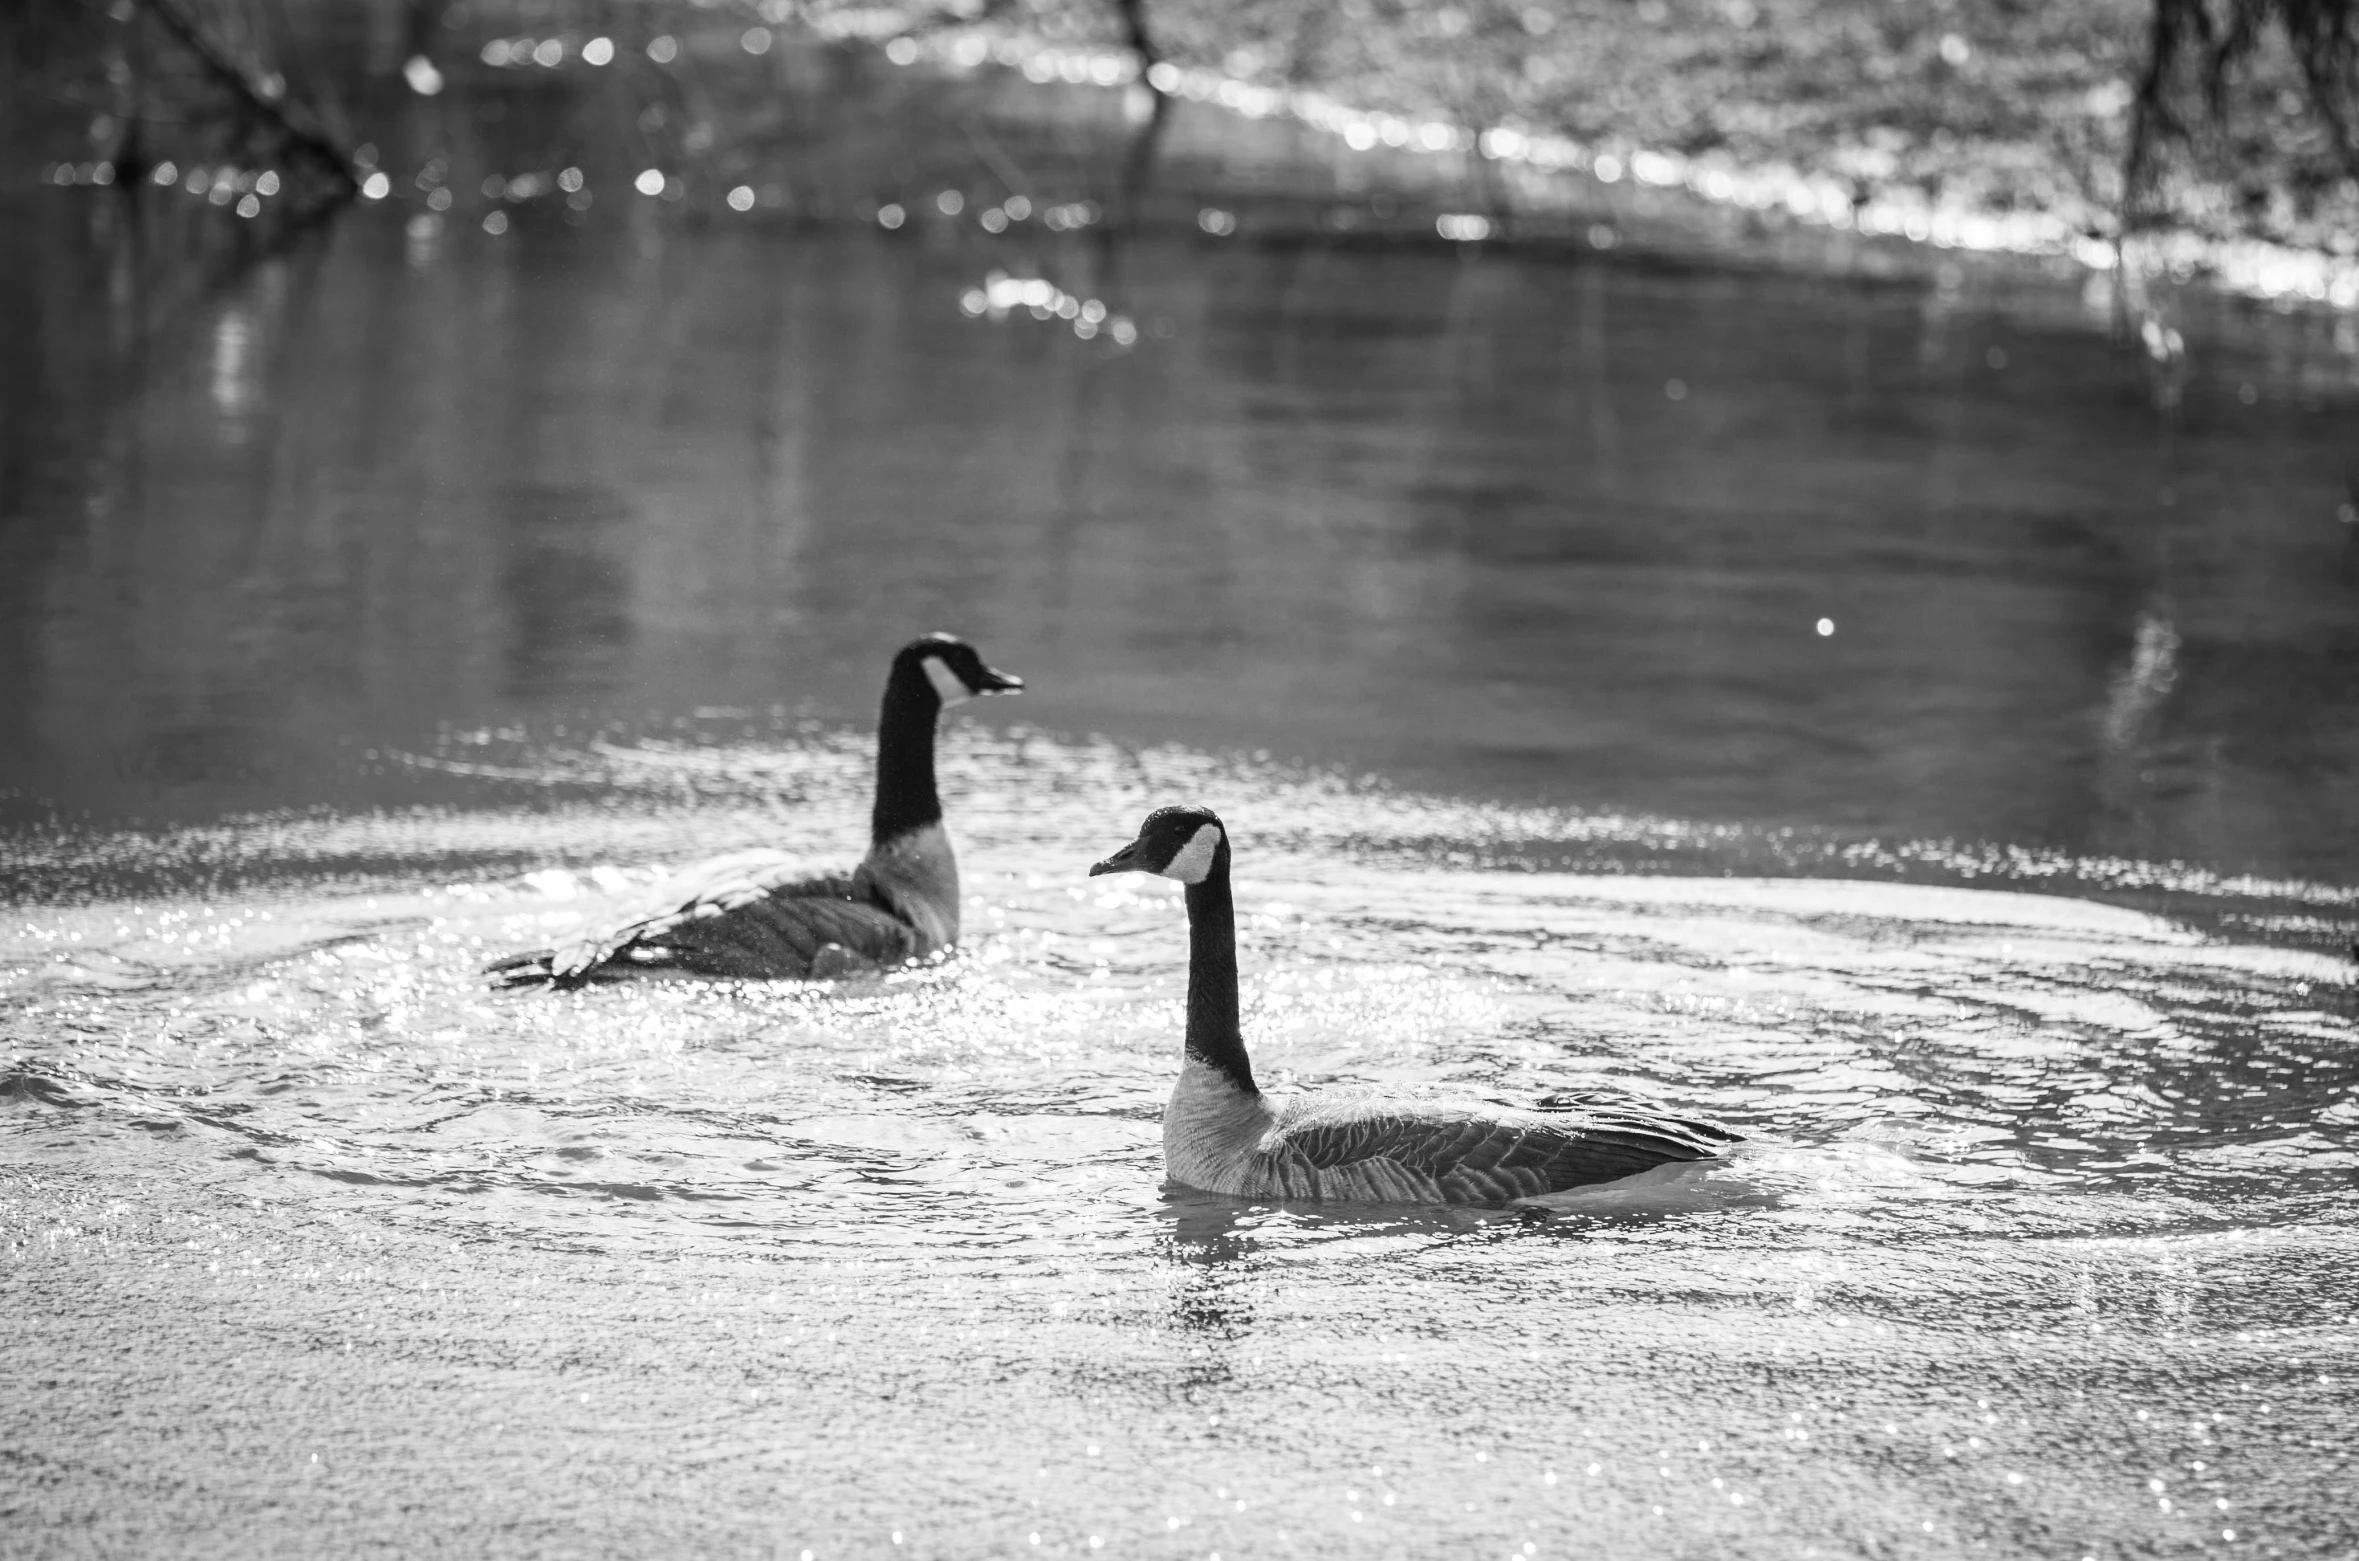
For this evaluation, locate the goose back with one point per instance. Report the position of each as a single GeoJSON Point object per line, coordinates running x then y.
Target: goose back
{"type": "Point", "coordinates": [1338, 1147]}
{"type": "Point", "coordinates": [1362, 1146]}
{"type": "Point", "coordinates": [750, 914]}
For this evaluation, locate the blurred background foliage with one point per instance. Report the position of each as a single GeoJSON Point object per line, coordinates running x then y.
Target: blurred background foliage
{"type": "Point", "coordinates": [2230, 119]}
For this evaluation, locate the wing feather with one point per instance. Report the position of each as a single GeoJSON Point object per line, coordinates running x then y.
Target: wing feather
{"type": "Point", "coordinates": [1469, 1155]}
{"type": "Point", "coordinates": [752, 914]}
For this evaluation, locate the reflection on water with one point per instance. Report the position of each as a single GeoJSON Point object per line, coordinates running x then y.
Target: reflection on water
{"type": "Point", "coordinates": [1717, 547]}
{"type": "Point", "coordinates": [2040, 1245]}
{"type": "Point", "coordinates": [565, 589]}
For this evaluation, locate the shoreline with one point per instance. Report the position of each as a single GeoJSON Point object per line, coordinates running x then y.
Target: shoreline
{"type": "Point", "coordinates": [1234, 147]}
{"type": "Point", "coordinates": [1560, 189]}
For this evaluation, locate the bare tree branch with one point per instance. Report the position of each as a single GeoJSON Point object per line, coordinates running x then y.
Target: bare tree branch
{"type": "Point", "coordinates": [290, 119]}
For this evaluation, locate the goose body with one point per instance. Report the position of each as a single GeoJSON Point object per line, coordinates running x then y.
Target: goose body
{"type": "Point", "coordinates": [1222, 1134]}
{"type": "Point", "coordinates": [761, 914]}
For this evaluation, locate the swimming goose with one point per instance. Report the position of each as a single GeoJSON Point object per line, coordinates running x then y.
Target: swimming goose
{"type": "Point", "coordinates": [752, 913]}
{"type": "Point", "coordinates": [1221, 1134]}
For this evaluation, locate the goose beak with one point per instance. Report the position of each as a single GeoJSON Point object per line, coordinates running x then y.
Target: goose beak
{"type": "Point", "coordinates": [1125, 860]}
{"type": "Point", "coordinates": [998, 682]}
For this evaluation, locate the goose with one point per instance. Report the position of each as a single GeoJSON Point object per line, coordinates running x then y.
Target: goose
{"type": "Point", "coordinates": [754, 914]}
{"type": "Point", "coordinates": [1221, 1134]}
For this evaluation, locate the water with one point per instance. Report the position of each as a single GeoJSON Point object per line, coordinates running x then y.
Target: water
{"type": "Point", "coordinates": [1434, 519]}
{"type": "Point", "coordinates": [417, 594]}
{"type": "Point", "coordinates": [2048, 1200]}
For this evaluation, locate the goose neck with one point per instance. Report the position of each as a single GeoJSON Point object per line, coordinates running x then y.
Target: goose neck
{"type": "Point", "coordinates": [905, 797]}
{"type": "Point", "coordinates": [1213, 1034]}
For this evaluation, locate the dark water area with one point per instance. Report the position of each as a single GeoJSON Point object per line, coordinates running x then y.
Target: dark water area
{"type": "Point", "coordinates": [1526, 528]}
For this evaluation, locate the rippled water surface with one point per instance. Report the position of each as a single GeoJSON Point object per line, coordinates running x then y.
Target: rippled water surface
{"type": "Point", "coordinates": [2043, 1244]}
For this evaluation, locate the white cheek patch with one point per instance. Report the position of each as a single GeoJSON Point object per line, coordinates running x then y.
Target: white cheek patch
{"type": "Point", "coordinates": [948, 684]}
{"type": "Point", "coordinates": [1193, 864]}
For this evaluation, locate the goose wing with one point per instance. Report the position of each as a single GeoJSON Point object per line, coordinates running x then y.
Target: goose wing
{"type": "Point", "coordinates": [1619, 1107]}
{"type": "Point", "coordinates": [1468, 1154]}
{"type": "Point", "coordinates": [751, 914]}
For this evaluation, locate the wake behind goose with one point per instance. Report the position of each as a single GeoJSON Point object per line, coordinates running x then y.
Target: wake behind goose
{"type": "Point", "coordinates": [1221, 1134]}
{"type": "Point", "coordinates": [760, 914]}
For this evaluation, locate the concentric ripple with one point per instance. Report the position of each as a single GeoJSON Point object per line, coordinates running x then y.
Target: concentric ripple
{"type": "Point", "coordinates": [2043, 1243]}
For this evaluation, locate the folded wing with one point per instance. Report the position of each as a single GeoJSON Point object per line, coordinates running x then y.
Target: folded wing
{"type": "Point", "coordinates": [1454, 1154]}
{"type": "Point", "coordinates": [752, 915]}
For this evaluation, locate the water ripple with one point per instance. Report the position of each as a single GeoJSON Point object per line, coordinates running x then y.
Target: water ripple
{"type": "Point", "coordinates": [2038, 1185]}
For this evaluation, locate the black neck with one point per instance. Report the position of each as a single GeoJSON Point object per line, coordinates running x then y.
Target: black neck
{"type": "Point", "coordinates": [1213, 1037]}
{"type": "Point", "coordinates": [905, 797]}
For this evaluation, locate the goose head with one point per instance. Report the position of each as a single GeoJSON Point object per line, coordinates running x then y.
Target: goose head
{"type": "Point", "coordinates": [953, 668]}
{"type": "Point", "coordinates": [1184, 843]}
